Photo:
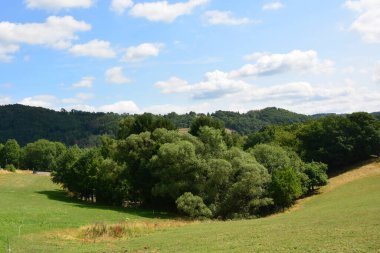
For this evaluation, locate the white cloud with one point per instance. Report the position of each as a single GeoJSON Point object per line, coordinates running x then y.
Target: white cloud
{"type": "Point", "coordinates": [120, 107]}
{"type": "Point", "coordinates": [119, 6]}
{"type": "Point", "coordinates": [273, 6]}
{"type": "Point", "coordinates": [82, 107]}
{"type": "Point", "coordinates": [296, 60]}
{"type": "Point", "coordinates": [218, 84]}
{"type": "Point", "coordinates": [225, 18]}
{"type": "Point", "coordinates": [4, 100]}
{"type": "Point", "coordinates": [47, 101]}
{"type": "Point", "coordinates": [163, 11]}
{"type": "Point", "coordinates": [376, 73]}
{"type": "Point", "coordinates": [368, 21]}
{"type": "Point", "coordinates": [94, 48]}
{"type": "Point", "coordinates": [85, 82]}
{"type": "Point", "coordinates": [58, 4]}
{"type": "Point", "coordinates": [115, 75]}
{"type": "Point", "coordinates": [79, 98]}
{"type": "Point", "coordinates": [182, 109]}
{"type": "Point", "coordinates": [6, 52]}
{"type": "Point", "coordinates": [215, 84]}
{"type": "Point", "coordinates": [56, 32]}
{"type": "Point", "coordinates": [142, 51]}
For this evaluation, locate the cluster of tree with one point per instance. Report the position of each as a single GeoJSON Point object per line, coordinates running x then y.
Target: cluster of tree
{"type": "Point", "coordinates": [203, 174]}
{"type": "Point", "coordinates": [338, 141]}
{"type": "Point", "coordinates": [41, 155]}
{"type": "Point", "coordinates": [207, 172]}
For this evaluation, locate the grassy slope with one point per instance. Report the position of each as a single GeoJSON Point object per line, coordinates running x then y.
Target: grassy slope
{"type": "Point", "coordinates": [345, 218]}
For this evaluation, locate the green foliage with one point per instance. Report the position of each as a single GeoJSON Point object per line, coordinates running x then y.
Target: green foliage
{"type": "Point", "coordinates": [192, 206]}
{"type": "Point", "coordinates": [146, 122]}
{"type": "Point", "coordinates": [42, 155]}
{"type": "Point", "coordinates": [203, 121]}
{"type": "Point", "coordinates": [10, 153]}
{"type": "Point", "coordinates": [285, 187]}
{"type": "Point", "coordinates": [28, 124]}
{"type": "Point", "coordinates": [10, 167]}
{"type": "Point", "coordinates": [272, 157]}
{"type": "Point", "coordinates": [339, 141]}
{"type": "Point", "coordinates": [316, 175]}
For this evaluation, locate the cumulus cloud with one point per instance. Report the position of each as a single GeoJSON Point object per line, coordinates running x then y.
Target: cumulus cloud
{"type": "Point", "coordinates": [5, 100]}
{"type": "Point", "coordinates": [368, 21]}
{"type": "Point", "coordinates": [270, 64]}
{"type": "Point", "coordinates": [85, 82]}
{"type": "Point", "coordinates": [58, 4]}
{"type": "Point", "coordinates": [94, 48]}
{"type": "Point", "coordinates": [273, 6]}
{"type": "Point", "coordinates": [47, 101]}
{"type": "Point", "coordinates": [225, 18]}
{"type": "Point", "coordinates": [115, 75]}
{"type": "Point", "coordinates": [218, 84]}
{"type": "Point", "coordinates": [79, 98]}
{"type": "Point", "coordinates": [376, 73]}
{"type": "Point", "coordinates": [142, 51]}
{"type": "Point", "coordinates": [56, 32]}
{"type": "Point", "coordinates": [6, 52]}
{"type": "Point", "coordinates": [215, 84]}
{"type": "Point", "coordinates": [120, 107]}
{"type": "Point", "coordinates": [119, 6]}
{"type": "Point", "coordinates": [164, 11]}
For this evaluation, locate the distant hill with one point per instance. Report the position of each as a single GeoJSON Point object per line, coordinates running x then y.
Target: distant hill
{"type": "Point", "coordinates": [27, 124]}
{"type": "Point", "coordinates": [253, 121]}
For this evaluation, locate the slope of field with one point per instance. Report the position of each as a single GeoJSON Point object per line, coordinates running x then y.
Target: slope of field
{"type": "Point", "coordinates": [344, 218]}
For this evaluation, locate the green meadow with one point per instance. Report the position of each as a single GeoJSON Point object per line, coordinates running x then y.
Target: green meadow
{"type": "Point", "coordinates": [36, 216]}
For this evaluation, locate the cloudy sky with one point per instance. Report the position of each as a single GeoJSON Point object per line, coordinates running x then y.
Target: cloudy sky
{"type": "Point", "coordinates": [134, 56]}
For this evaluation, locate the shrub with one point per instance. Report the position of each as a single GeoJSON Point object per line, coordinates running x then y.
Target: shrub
{"type": "Point", "coordinates": [10, 167]}
{"type": "Point", "coordinates": [193, 206]}
{"type": "Point", "coordinates": [285, 187]}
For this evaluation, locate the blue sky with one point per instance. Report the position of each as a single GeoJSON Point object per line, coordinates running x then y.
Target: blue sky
{"type": "Point", "coordinates": [156, 56]}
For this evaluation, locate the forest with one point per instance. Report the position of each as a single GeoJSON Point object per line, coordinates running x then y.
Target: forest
{"type": "Point", "coordinates": [27, 124]}
{"type": "Point", "coordinates": [208, 172]}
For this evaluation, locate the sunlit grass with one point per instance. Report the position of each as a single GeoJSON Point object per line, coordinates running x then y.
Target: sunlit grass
{"type": "Point", "coordinates": [343, 218]}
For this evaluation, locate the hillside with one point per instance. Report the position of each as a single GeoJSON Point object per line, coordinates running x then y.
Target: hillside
{"type": "Point", "coordinates": [27, 124]}
{"type": "Point", "coordinates": [37, 217]}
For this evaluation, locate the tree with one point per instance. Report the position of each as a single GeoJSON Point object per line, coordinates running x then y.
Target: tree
{"type": "Point", "coordinates": [177, 170]}
{"type": "Point", "coordinates": [192, 206]}
{"type": "Point", "coordinates": [42, 155]}
{"type": "Point", "coordinates": [271, 157]}
{"type": "Point", "coordinates": [285, 187]}
{"type": "Point", "coordinates": [206, 121]}
{"type": "Point", "coordinates": [316, 173]}
{"type": "Point", "coordinates": [10, 153]}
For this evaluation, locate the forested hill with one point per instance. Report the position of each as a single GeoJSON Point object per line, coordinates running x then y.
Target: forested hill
{"type": "Point", "coordinates": [27, 124]}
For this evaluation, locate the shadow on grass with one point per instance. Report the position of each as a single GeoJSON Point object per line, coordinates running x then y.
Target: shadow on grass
{"type": "Point", "coordinates": [61, 195]}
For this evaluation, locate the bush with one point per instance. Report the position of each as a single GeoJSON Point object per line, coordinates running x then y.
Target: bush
{"type": "Point", "coordinates": [10, 167]}
{"type": "Point", "coordinates": [285, 187]}
{"type": "Point", "coordinates": [193, 206]}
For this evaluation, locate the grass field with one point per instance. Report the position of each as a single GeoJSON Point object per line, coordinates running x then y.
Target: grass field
{"type": "Point", "coordinates": [37, 217]}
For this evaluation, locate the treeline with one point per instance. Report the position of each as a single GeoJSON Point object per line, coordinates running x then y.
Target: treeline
{"type": "Point", "coordinates": [27, 124]}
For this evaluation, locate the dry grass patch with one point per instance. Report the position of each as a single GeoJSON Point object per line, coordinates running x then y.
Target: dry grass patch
{"type": "Point", "coordinates": [367, 170]}
{"type": "Point", "coordinates": [123, 230]}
